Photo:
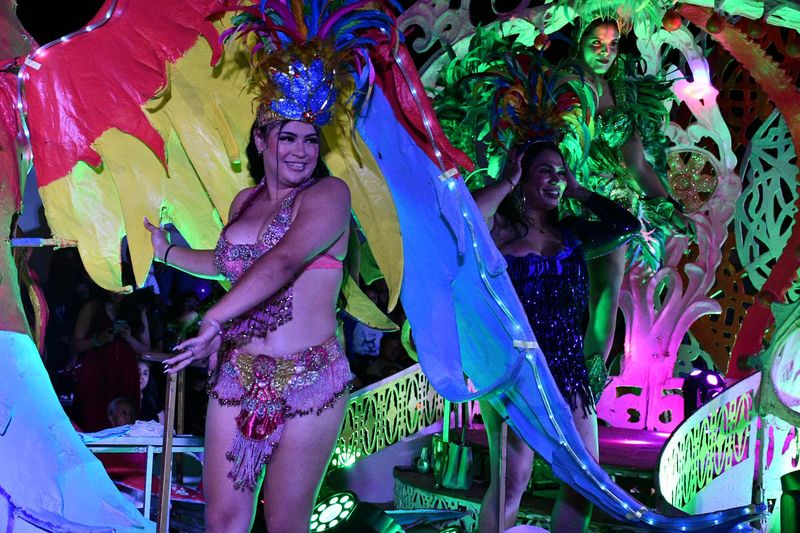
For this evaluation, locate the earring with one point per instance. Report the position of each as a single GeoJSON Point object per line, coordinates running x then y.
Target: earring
{"type": "Point", "coordinates": [519, 201]}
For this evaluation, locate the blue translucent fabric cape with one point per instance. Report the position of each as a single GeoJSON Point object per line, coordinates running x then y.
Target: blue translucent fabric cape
{"type": "Point", "coordinates": [467, 319]}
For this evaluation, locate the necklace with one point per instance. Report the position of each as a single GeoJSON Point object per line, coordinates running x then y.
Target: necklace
{"type": "Point", "coordinates": [543, 230]}
{"type": "Point", "coordinates": [536, 223]}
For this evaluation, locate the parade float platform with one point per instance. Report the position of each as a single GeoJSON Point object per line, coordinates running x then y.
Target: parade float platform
{"type": "Point", "coordinates": [630, 456]}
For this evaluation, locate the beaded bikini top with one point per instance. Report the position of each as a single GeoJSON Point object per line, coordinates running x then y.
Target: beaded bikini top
{"type": "Point", "coordinates": [233, 260]}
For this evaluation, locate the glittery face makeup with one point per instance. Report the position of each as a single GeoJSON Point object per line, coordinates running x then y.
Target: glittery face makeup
{"type": "Point", "coordinates": [600, 46]}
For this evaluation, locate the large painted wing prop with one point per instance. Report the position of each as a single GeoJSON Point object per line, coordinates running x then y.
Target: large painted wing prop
{"type": "Point", "coordinates": [141, 115]}
{"type": "Point", "coordinates": [49, 480]}
{"type": "Point", "coordinates": [156, 126]}
{"type": "Point", "coordinates": [465, 315]}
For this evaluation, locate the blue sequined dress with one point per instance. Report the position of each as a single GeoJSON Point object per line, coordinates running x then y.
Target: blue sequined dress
{"type": "Point", "coordinates": [554, 290]}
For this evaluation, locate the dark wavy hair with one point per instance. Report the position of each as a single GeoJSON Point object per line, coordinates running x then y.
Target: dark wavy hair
{"type": "Point", "coordinates": [512, 208]}
{"type": "Point", "coordinates": [599, 21]}
{"type": "Point", "coordinates": [255, 162]}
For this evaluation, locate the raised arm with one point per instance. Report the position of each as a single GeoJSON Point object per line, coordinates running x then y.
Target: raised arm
{"type": "Point", "coordinates": [199, 263]}
{"type": "Point", "coordinates": [140, 343]}
{"type": "Point", "coordinates": [615, 225]}
{"type": "Point", "coordinates": [490, 197]}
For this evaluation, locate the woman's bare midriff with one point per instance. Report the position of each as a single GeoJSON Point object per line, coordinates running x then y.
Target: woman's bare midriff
{"type": "Point", "coordinates": [313, 316]}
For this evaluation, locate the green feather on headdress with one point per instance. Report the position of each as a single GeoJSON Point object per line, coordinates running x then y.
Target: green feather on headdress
{"type": "Point", "coordinates": [502, 93]}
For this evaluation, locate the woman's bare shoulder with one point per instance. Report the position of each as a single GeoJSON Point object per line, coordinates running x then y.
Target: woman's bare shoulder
{"type": "Point", "coordinates": [334, 184]}
{"type": "Point", "coordinates": [238, 200]}
{"type": "Point", "coordinates": [330, 189]}
{"type": "Point", "coordinates": [244, 193]}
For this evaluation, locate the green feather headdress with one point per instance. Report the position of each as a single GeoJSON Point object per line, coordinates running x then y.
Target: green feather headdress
{"type": "Point", "coordinates": [502, 93]}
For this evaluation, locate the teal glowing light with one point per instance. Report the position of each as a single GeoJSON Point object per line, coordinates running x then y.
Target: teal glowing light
{"type": "Point", "coordinates": [330, 513]}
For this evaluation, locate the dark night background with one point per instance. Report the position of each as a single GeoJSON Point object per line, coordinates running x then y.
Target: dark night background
{"type": "Point", "coordinates": [47, 21]}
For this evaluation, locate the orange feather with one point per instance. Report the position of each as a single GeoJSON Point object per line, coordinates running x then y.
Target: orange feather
{"type": "Point", "coordinates": [297, 11]}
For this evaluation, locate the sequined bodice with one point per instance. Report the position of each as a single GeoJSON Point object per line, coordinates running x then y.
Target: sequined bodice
{"type": "Point", "coordinates": [233, 260]}
{"type": "Point", "coordinates": [609, 173]}
{"type": "Point", "coordinates": [614, 126]}
{"type": "Point", "coordinates": [554, 291]}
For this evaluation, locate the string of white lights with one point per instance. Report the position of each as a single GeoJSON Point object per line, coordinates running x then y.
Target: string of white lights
{"type": "Point", "coordinates": [34, 61]}
{"type": "Point", "coordinates": [643, 513]}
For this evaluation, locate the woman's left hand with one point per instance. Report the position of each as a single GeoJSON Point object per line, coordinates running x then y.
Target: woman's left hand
{"type": "Point", "coordinates": [574, 189]}
{"type": "Point", "coordinates": [204, 346]}
{"type": "Point", "coordinates": [666, 213]}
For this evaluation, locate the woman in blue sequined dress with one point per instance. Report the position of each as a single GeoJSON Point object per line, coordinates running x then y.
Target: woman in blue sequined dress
{"type": "Point", "coordinates": [547, 265]}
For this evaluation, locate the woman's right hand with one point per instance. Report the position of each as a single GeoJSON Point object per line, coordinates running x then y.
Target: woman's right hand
{"type": "Point", "coordinates": [204, 346]}
{"type": "Point", "coordinates": [104, 337]}
{"type": "Point", "coordinates": [158, 238]}
{"type": "Point", "coordinates": [512, 172]}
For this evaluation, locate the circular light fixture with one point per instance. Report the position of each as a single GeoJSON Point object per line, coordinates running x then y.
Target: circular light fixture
{"type": "Point", "coordinates": [332, 511]}
{"type": "Point", "coordinates": [342, 512]}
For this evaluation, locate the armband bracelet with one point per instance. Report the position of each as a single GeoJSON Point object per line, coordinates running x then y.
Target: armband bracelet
{"type": "Point", "coordinates": [213, 323]}
{"type": "Point", "coordinates": [166, 254]}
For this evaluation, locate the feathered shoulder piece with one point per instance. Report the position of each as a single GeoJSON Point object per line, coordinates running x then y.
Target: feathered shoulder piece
{"type": "Point", "coordinates": [310, 58]}
{"type": "Point", "coordinates": [459, 105]}
{"type": "Point", "coordinates": [642, 94]}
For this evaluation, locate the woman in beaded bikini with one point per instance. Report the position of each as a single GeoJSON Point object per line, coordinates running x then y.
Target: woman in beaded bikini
{"type": "Point", "coordinates": [271, 343]}
{"type": "Point", "coordinates": [276, 367]}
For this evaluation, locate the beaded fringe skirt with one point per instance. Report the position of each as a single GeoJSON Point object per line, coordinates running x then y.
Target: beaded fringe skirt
{"type": "Point", "coordinates": [271, 390]}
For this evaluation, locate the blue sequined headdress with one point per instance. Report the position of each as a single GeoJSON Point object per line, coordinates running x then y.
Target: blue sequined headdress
{"type": "Point", "coordinates": [308, 58]}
